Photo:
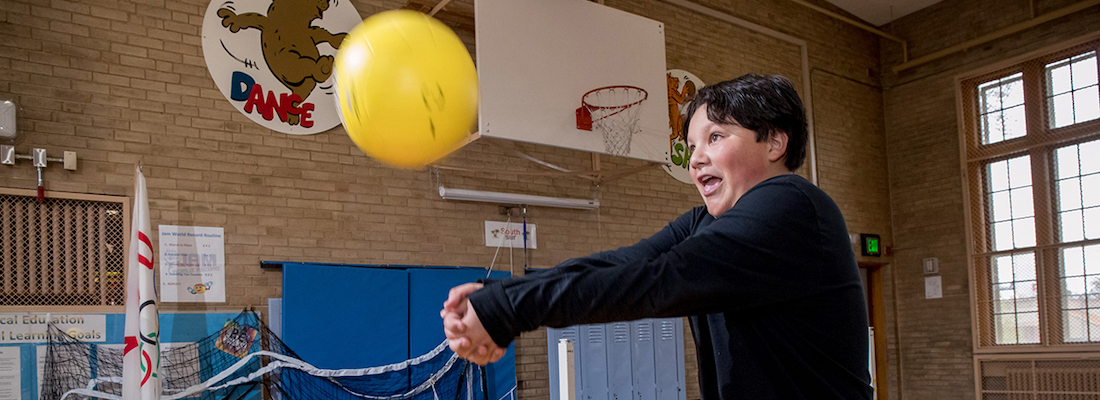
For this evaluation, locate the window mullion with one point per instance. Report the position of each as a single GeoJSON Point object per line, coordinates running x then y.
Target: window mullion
{"type": "Point", "coordinates": [1041, 163]}
{"type": "Point", "coordinates": [1042, 192]}
{"type": "Point", "coordinates": [1035, 105]}
{"type": "Point", "coordinates": [1046, 260]}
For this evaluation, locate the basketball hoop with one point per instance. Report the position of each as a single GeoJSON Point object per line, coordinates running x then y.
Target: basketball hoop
{"type": "Point", "coordinates": [613, 111]}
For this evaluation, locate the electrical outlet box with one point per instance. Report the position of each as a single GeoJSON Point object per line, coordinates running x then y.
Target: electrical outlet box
{"type": "Point", "coordinates": [931, 265]}
{"type": "Point", "coordinates": [70, 160]}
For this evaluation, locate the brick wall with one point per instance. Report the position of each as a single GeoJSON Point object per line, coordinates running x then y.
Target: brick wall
{"type": "Point", "coordinates": [934, 351]}
{"type": "Point", "coordinates": [122, 82]}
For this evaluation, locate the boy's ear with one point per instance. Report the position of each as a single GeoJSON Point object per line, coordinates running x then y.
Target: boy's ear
{"type": "Point", "coordinates": [777, 145]}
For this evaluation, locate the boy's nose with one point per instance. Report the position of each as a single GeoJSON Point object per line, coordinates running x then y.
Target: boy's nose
{"type": "Point", "coordinates": [698, 158]}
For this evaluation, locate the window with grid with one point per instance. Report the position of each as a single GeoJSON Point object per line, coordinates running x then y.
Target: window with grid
{"type": "Point", "coordinates": [65, 251]}
{"type": "Point", "coordinates": [1032, 137]}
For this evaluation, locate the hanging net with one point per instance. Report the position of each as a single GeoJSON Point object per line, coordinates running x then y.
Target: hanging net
{"type": "Point", "coordinates": [613, 111]}
{"type": "Point", "coordinates": [245, 360]}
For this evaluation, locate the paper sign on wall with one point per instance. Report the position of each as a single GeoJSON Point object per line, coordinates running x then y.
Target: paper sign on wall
{"type": "Point", "coordinates": [40, 353]}
{"type": "Point", "coordinates": [509, 234]}
{"type": "Point", "coordinates": [192, 264]}
{"type": "Point", "coordinates": [10, 373]}
{"type": "Point", "coordinates": [933, 287]}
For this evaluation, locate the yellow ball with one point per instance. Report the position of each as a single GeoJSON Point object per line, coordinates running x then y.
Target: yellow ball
{"type": "Point", "coordinates": [406, 88]}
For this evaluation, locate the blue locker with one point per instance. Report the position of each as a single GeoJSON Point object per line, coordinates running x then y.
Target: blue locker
{"type": "Point", "coordinates": [638, 360]}
{"type": "Point", "coordinates": [618, 354]}
{"type": "Point", "coordinates": [668, 348]}
{"type": "Point", "coordinates": [644, 361]}
{"type": "Point", "coordinates": [593, 352]}
{"type": "Point", "coordinates": [552, 337]}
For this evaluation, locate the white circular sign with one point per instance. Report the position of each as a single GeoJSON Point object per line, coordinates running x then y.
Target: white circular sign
{"type": "Point", "coordinates": [272, 59]}
{"type": "Point", "coordinates": [681, 88]}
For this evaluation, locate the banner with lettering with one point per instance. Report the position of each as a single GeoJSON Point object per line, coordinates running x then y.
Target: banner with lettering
{"type": "Point", "coordinates": [510, 234]}
{"type": "Point", "coordinates": [23, 341]}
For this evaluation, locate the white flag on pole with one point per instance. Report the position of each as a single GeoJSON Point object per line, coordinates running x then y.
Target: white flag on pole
{"type": "Point", "coordinates": [141, 357]}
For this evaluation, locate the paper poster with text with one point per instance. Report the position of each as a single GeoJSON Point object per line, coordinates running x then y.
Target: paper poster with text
{"type": "Point", "coordinates": [192, 264]}
{"type": "Point", "coordinates": [10, 373]}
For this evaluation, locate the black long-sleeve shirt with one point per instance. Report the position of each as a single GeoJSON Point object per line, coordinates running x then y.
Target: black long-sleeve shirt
{"type": "Point", "coordinates": [772, 288]}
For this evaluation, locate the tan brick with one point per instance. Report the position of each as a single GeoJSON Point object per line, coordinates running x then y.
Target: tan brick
{"type": "Point", "coordinates": [56, 14]}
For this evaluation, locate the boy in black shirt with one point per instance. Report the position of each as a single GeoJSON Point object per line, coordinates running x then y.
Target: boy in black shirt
{"type": "Point", "coordinates": [764, 269]}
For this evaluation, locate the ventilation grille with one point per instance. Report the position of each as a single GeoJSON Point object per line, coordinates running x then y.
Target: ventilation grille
{"type": "Point", "coordinates": [63, 252]}
{"type": "Point", "coordinates": [667, 330]}
{"type": "Point", "coordinates": [595, 334]}
{"type": "Point", "coordinates": [645, 332]}
{"type": "Point", "coordinates": [621, 332]}
{"type": "Point", "coordinates": [1040, 379]}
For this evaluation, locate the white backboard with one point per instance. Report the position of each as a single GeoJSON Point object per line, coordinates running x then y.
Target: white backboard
{"type": "Point", "coordinates": [537, 58]}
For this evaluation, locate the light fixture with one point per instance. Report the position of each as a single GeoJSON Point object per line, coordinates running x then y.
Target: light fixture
{"type": "Point", "coordinates": [513, 198]}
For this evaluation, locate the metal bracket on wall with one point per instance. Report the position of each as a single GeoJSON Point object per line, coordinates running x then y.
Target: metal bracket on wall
{"type": "Point", "coordinates": [38, 157]}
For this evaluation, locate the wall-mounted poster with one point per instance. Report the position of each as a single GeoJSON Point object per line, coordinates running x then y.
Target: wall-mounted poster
{"type": "Point", "coordinates": [510, 234]}
{"type": "Point", "coordinates": [192, 264]}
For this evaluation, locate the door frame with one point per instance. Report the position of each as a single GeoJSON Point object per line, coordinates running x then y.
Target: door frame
{"type": "Point", "coordinates": [877, 314]}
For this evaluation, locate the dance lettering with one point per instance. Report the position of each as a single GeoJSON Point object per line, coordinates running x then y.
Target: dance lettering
{"type": "Point", "coordinates": [245, 88]}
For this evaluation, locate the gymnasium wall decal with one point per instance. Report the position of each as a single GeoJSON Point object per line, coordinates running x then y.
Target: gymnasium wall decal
{"type": "Point", "coordinates": [272, 59]}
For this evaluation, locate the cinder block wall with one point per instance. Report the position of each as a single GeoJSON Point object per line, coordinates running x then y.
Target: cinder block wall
{"type": "Point", "coordinates": [122, 82]}
{"type": "Point", "coordinates": [926, 189]}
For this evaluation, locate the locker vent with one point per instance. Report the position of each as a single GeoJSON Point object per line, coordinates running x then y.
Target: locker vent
{"type": "Point", "coordinates": [621, 333]}
{"type": "Point", "coordinates": [569, 333]}
{"type": "Point", "coordinates": [667, 332]}
{"type": "Point", "coordinates": [595, 334]}
{"type": "Point", "coordinates": [645, 332]}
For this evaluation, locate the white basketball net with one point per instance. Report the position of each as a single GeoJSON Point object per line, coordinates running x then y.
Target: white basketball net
{"type": "Point", "coordinates": [615, 114]}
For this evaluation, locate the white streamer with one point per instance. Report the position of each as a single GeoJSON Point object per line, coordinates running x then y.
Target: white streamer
{"type": "Point", "coordinates": [284, 361]}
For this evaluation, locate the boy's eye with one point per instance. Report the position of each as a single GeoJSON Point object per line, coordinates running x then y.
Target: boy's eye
{"type": "Point", "coordinates": [714, 136]}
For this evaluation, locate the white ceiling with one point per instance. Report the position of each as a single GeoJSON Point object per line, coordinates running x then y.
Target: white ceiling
{"type": "Point", "coordinates": [881, 12]}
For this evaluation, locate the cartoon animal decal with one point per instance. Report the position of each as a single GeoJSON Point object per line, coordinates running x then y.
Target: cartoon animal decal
{"type": "Point", "coordinates": [676, 98]}
{"type": "Point", "coordinates": [289, 43]}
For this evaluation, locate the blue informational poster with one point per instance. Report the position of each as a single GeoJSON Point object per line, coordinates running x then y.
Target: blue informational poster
{"type": "Point", "coordinates": [23, 340]}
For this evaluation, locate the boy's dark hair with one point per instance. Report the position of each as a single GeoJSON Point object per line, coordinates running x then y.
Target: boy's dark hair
{"type": "Point", "coordinates": [761, 103]}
